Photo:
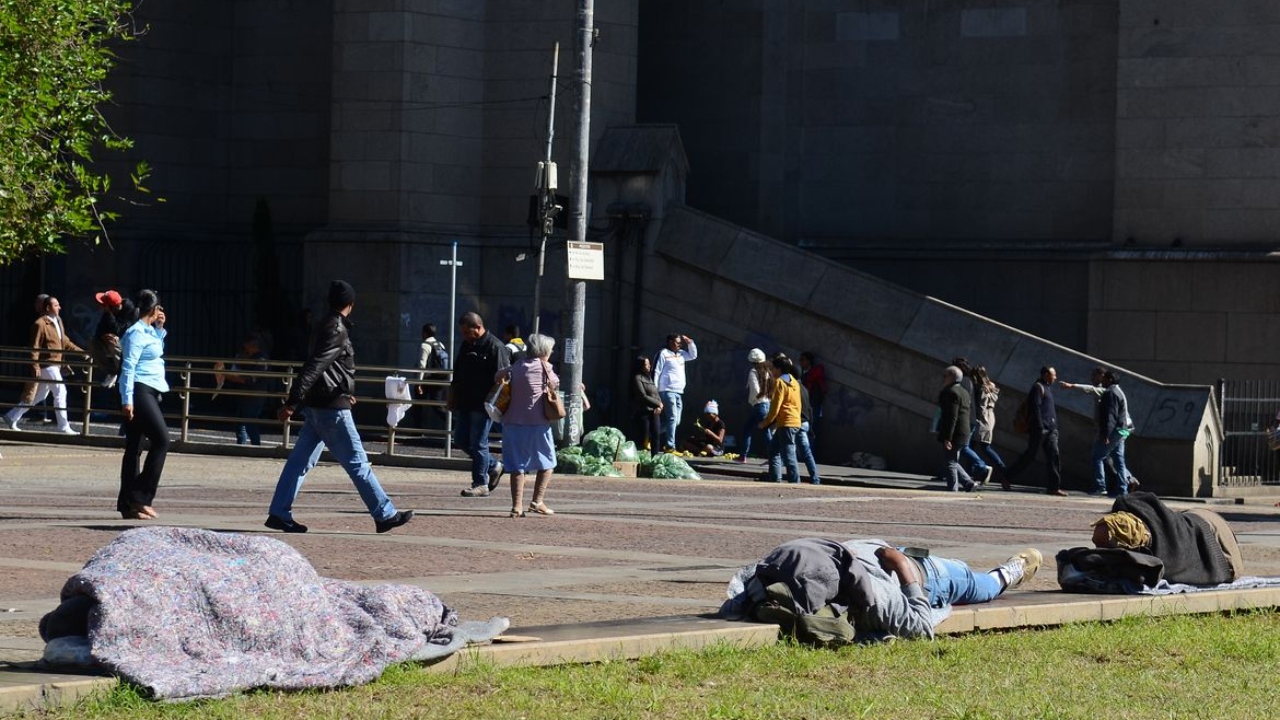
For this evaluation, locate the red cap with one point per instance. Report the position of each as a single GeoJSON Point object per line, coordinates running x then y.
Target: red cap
{"type": "Point", "coordinates": [110, 299]}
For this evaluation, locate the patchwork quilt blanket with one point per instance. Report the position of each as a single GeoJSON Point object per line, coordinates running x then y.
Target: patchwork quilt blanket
{"type": "Point", "coordinates": [187, 613]}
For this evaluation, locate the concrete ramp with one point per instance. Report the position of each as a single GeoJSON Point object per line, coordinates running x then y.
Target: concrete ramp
{"type": "Point", "coordinates": [884, 348]}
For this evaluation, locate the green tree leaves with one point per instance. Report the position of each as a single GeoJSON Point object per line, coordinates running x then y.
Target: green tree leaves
{"type": "Point", "coordinates": [54, 57]}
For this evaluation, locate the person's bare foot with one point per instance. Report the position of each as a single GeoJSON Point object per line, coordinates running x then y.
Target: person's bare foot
{"type": "Point", "coordinates": [146, 511]}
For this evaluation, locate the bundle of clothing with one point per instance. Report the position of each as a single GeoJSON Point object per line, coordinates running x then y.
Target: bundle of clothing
{"type": "Point", "coordinates": [186, 613]}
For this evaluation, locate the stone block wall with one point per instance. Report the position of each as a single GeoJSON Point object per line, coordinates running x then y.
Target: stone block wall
{"type": "Point", "coordinates": [917, 121]}
{"type": "Point", "coordinates": [1198, 123]}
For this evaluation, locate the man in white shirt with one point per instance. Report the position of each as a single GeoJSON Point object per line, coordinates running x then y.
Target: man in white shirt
{"type": "Point", "coordinates": [668, 374]}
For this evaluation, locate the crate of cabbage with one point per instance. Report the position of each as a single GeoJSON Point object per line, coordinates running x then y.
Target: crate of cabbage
{"type": "Point", "coordinates": [604, 446]}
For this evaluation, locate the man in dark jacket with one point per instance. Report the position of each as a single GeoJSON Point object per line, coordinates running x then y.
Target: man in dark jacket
{"type": "Point", "coordinates": [954, 419]}
{"type": "Point", "coordinates": [478, 360]}
{"type": "Point", "coordinates": [325, 390]}
{"type": "Point", "coordinates": [1043, 425]}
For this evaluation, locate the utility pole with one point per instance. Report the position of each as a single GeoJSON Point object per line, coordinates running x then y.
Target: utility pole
{"type": "Point", "coordinates": [573, 344]}
{"type": "Point", "coordinates": [453, 264]}
{"type": "Point", "coordinates": [547, 207]}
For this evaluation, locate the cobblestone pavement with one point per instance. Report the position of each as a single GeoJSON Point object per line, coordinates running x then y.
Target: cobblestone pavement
{"type": "Point", "coordinates": [616, 548]}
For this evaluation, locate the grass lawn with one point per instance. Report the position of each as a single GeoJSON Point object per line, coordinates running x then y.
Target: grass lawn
{"type": "Point", "coordinates": [1204, 667]}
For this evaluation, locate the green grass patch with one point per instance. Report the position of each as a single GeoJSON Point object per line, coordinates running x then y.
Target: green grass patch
{"type": "Point", "coordinates": [1170, 667]}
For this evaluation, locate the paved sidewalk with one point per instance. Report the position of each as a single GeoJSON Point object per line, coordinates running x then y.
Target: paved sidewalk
{"type": "Point", "coordinates": [618, 550]}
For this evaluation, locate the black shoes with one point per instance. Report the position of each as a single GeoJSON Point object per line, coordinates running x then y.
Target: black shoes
{"type": "Point", "coordinates": [289, 526]}
{"type": "Point", "coordinates": [394, 521]}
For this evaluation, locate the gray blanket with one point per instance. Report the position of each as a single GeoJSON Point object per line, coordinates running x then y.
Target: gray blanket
{"type": "Point", "coordinates": [188, 613]}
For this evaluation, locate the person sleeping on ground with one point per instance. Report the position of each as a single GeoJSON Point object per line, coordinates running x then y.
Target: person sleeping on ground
{"type": "Point", "coordinates": [1143, 541]}
{"type": "Point", "coordinates": [830, 593]}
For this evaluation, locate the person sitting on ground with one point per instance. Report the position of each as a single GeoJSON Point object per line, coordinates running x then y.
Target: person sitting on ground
{"type": "Point", "coordinates": [878, 588]}
{"type": "Point", "coordinates": [247, 400]}
{"type": "Point", "coordinates": [1196, 547]}
{"type": "Point", "coordinates": [708, 433]}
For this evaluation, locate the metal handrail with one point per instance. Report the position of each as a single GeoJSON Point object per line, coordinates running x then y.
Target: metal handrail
{"type": "Point", "coordinates": [188, 368]}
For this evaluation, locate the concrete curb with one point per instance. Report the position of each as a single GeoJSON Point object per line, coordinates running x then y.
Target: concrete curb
{"type": "Point", "coordinates": [615, 641]}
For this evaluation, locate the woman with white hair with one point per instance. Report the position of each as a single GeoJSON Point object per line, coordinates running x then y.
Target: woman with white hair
{"type": "Point", "coordinates": [527, 445]}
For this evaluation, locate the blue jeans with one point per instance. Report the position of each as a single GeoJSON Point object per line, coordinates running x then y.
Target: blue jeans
{"type": "Point", "coordinates": [672, 404]}
{"type": "Point", "coordinates": [951, 582]}
{"type": "Point", "coordinates": [471, 433]}
{"type": "Point", "coordinates": [953, 473]}
{"type": "Point", "coordinates": [806, 453]}
{"type": "Point", "coordinates": [1114, 450]}
{"type": "Point", "coordinates": [326, 427]}
{"type": "Point", "coordinates": [782, 450]}
{"type": "Point", "coordinates": [249, 408]}
{"type": "Point", "coordinates": [974, 458]}
{"type": "Point", "coordinates": [757, 414]}
{"type": "Point", "coordinates": [986, 449]}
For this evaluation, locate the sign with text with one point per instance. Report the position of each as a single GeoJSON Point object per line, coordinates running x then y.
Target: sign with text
{"type": "Point", "coordinates": [586, 261]}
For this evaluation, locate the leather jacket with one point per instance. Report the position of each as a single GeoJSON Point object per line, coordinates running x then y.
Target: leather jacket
{"type": "Point", "coordinates": [328, 377]}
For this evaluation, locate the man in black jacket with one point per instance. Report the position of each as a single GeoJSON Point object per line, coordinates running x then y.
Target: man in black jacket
{"type": "Point", "coordinates": [325, 390]}
{"type": "Point", "coordinates": [954, 419]}
{"type": "Point", "coordinates": [1043, 422]}
{"type": "Point", "coordinates": [478, 360]}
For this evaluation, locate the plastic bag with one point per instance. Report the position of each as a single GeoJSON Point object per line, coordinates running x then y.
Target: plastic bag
{"type": "Point", "coordinates": [665, 466]}
{"type": "Point", "coordinates": [628, 453]}
{"type": "Point", "coordinates": [603, 442]}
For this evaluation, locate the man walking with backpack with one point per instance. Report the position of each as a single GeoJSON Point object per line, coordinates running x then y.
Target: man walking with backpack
{"type": "Point", "coordinates": [432, 355]}
{"type": "Point", "coordinates": [1042, 427]}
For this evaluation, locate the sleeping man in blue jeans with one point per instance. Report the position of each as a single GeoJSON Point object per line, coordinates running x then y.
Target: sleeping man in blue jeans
{"type": "Point", "coordinates": [883, 591]}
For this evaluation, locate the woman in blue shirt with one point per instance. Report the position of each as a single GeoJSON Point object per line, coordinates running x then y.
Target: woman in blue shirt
{"type": "Point", "coordinates": [141, 384]}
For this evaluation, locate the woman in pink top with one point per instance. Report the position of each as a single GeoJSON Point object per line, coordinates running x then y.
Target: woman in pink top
{"type": "Point", "coordinates": [527, 445]}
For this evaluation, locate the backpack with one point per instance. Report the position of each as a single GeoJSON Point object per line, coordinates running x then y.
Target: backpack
{"type": "Point", "coordinates": [438, 359]}
{"type": "Point", "coordinates": [826, 628]}
{"type": "Point", "coordinates": [1022, 418]}
{"type": "Point", "coordinates": [105, 351]}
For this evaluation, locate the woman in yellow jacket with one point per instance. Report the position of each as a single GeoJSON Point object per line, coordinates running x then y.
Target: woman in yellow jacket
{"type": "Point", "coordinates": [784, 418]}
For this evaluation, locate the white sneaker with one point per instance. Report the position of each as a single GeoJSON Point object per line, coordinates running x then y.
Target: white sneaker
{"type": "Point", "coordinates": [1020, 568]}
{"type": "Point", "coordinates": [68, 430]}
{"type": "Point", "coordinates": [13, 424]}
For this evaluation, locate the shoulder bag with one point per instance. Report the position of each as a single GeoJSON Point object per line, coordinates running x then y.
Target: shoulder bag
{"type": "Point", "coordinates": [553, 404]}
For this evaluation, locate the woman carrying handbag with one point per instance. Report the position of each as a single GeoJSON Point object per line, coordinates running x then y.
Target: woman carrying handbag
{"type": "Point", "coordinates": [527, 445]}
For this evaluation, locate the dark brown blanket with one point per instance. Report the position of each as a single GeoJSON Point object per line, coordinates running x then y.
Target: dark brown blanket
{"type": "Point", "coordinates": [1186, 543]}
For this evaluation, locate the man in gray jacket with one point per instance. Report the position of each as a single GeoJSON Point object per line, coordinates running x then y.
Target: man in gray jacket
{"type": "Point", "coordinates": [883, 591]}
{"type": "Point", "coordinates": [1114, 426]}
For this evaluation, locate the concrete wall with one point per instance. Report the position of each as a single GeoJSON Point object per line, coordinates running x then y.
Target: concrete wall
{"type": "Point", "coordinates": [226, 109]}
{"type": "Point", "coordinates": [380, 131]}
{"type": "Point", "coordinates": [922, 121]}
{"type": "Point", "coordinates": [884, 348]}
{"type": "Point", "coordinates": [1194, 319]}
{"type": "Point", "coordinates": [1198, 123]}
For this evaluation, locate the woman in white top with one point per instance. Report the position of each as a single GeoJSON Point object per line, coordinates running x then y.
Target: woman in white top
{"type": "Point", "coordinates": [758, 401]}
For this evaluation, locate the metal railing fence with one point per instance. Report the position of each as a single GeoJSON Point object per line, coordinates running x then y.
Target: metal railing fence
{"type": "Point", "coordinates": [1250, 411]}
{"type": "Point", "coordinates": [194, 381]}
